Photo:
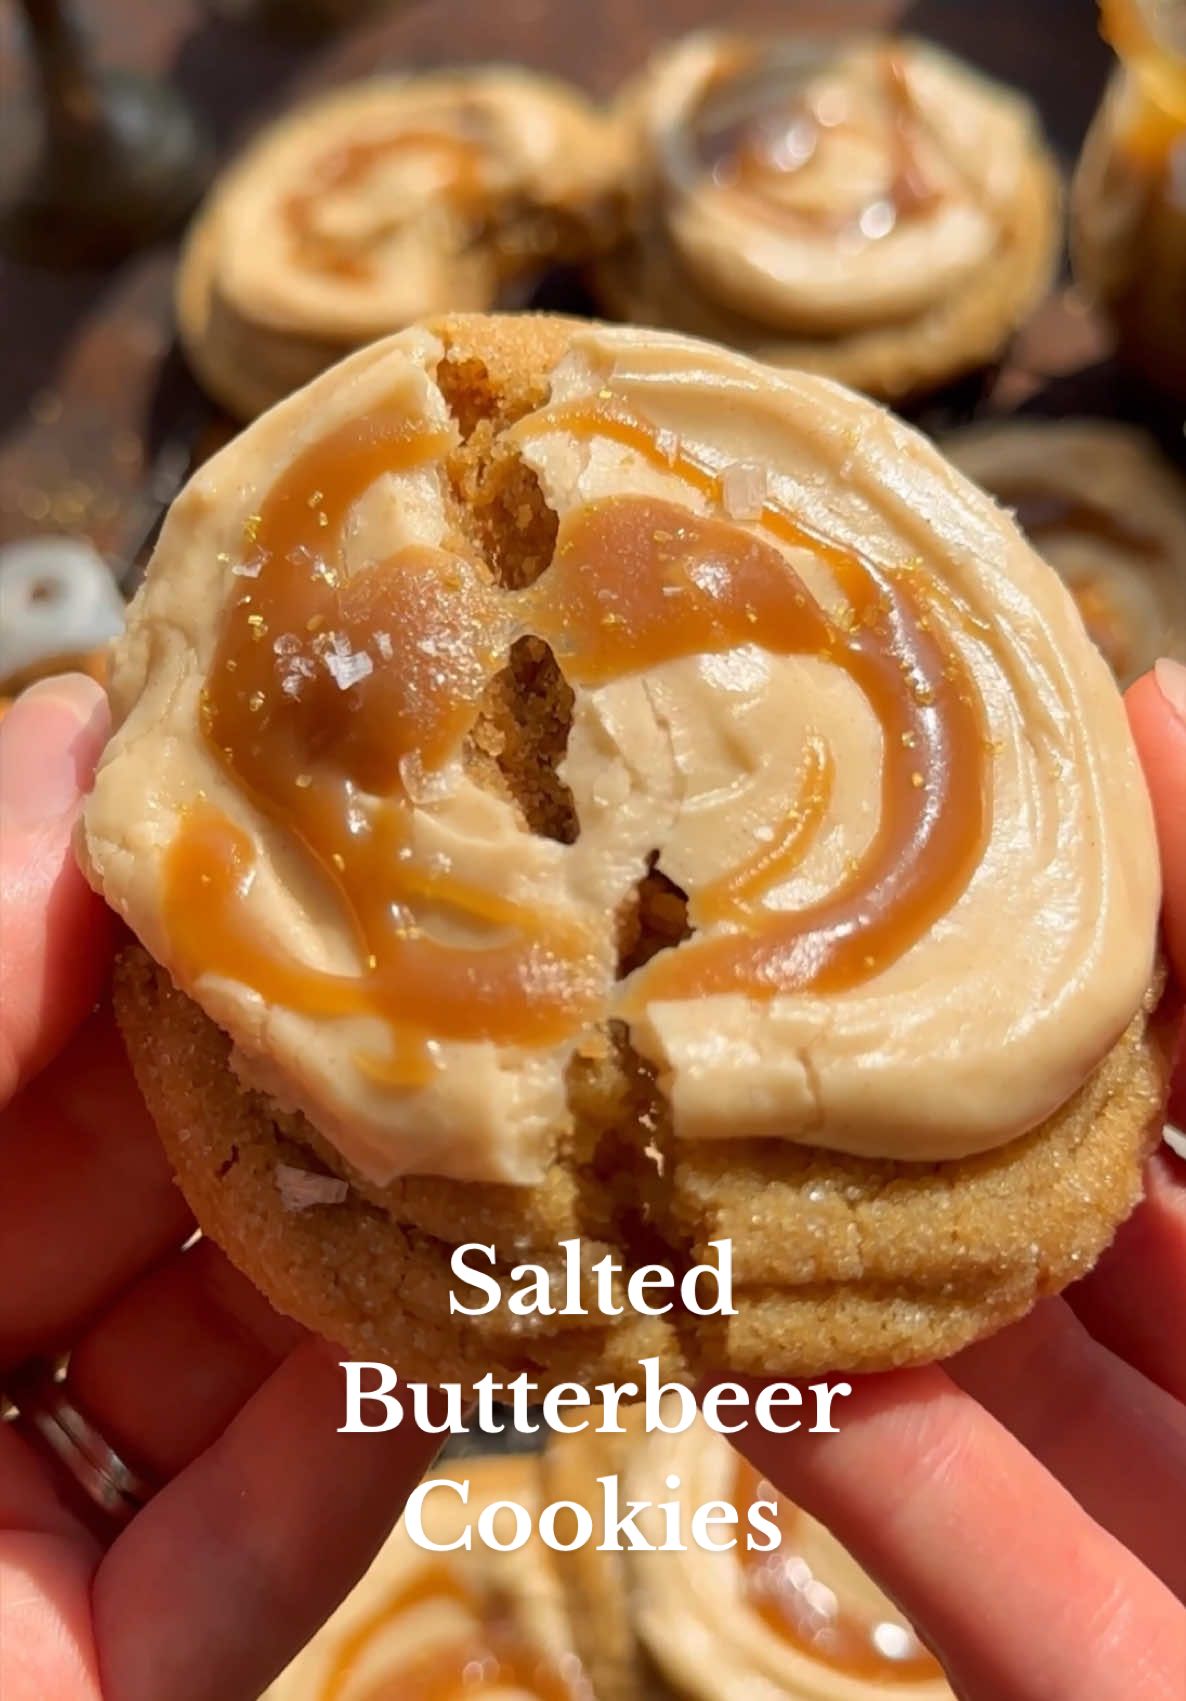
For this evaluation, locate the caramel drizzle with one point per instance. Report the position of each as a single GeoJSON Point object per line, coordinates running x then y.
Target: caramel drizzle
{"type": "Point", "coordinates": [746, 161]}
{"type": "Point", "coordinates": [778, 1587]}
{"type": "Point", "coordinates": [934, 791]}
{"type": "Point", "coordinates": [635, 582]}
{"type": "Point", "coordinates": [346, 168]}
{"type": "Point", "coordinates": [495, 1655]}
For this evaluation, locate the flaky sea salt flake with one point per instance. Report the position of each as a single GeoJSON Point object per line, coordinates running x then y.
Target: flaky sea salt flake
{"type": "Point", "coordinates": [347, 667]}
{"type": "Point", "coordinates": [744, 488]}
{"type": "Point", "coordinates": [300, 1189]}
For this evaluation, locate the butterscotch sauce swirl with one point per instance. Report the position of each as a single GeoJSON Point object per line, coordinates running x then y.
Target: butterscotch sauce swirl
{"type": "Point", "coordinates": [761, 127]}
{"type": "Point", "coordinates": [815, 679]}
{"type": "Point", "coordinates": [825, 188]}
{"type": "Point", "coordinates": [448, 166]}
{"type": "Point", "coordinates": [795, 1601]}
{"type": "Point", "coordinates": [636, 583]}
{"type": "Point", "coordinates": [493, 1655]}
{"type": "Point", "coordinates": [396, 197]}
{"type": "Point", "coordinates": [425, 1625]}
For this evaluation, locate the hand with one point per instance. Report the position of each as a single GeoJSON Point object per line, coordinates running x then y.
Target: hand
{"type": "Point", "coordinates": [266, 1516]}
{"type": "Point", "coordinates": [1024, 1503]}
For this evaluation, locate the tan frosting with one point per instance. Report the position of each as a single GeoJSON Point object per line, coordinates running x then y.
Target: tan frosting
{"type": "Point", "coordinates": [840, 234]}
{"type": "Point", "coordinates": [375, 1646]}
{"type": "Point", "coordinates": [699, 1621]}
{"type": "Point", "coordinates": [1108, 513]}
{"type": "Point", "coordinates": [386, 202]}
{"type": "Point", "coordinates": [976, 1032]}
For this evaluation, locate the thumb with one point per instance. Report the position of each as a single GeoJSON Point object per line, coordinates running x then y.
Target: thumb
{"type": "Point", "coordinates": [55, 933]}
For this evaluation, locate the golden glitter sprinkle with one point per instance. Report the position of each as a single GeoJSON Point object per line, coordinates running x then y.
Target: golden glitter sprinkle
{"type": "Point", "coordinates": [315, 623]}
{"type": "Point", "coordinates": [303, 781]}
{"type": "Point", "coordinates": [870, 962]}
{"type": "Point", "coordinates": [338, 860]}
{"type": "Point", "coordinates": [316, 499]}
{"type": "Point", "coordinates": [323, 518]}
{"type": "Point", "coordinates": [372, 961]}
{"type": "Point", "coordinates": [255, 620]}
{"type": "Point", "coordinates": [606, 395]}
{"type": "Point", "coordinates": [251, 526]}
{"type": "Point", "coordinates": [916, 780]}
{"type": "Point", "coordinates": [255, 702]}
{"type": "Point", "coordinates": [909, 740]}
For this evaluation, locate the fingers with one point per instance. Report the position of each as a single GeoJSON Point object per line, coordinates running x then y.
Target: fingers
{"type": "Point", "coordinates": [234, 1565]}
{"type": "Point", "coordinates": [87, 1200]}
{"type": "Point", "coordinates": [1157, 714]}
{"type": "Point", "coordinates": [47, 1651]}
{"type": "Point", "coordinates": [164, 1371]}
{"type": "Point", "coordinates": [57, 933]}
{"type": "Point", "coordinates": [1113, 1439]}
{"type": "Point", "coordinates": [1134, 1301]}
{"type": "Point", "coordinates": [1021, 1595]}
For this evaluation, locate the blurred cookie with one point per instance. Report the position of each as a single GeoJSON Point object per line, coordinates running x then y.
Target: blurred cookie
{"type": "Point", "coordinates": [426, 1624]}
{"type": "Point", "coordinates": [575, 782]}
{"type": "Point", "coordinates": [872, 209]}
{"type": "Point", "coordinates": [1103, 506]}
{"type": "Point", "coordinates": [384, 202]}
{"type": "Point", "coordinates": [802, 1622]}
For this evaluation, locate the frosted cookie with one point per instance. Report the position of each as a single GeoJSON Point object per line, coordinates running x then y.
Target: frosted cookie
{"type": "Point", "coordinates": [1104, 507]}
{"type": "Point", "coordinates": [384, 202]}
{"type": "Point", "coordinates": [575, 781]}
{"type": "Point", "coordinates": [424, 1625]}
{"type": "Point", "coordinates": [801, 1622]}
{"type": "Point", "coordinates": [871, 209]}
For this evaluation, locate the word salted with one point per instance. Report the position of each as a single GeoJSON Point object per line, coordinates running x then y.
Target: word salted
{"type": "Point", "coordinates": [668, 1408]}
{"type": "Point", "coordinates": [533, 1295]}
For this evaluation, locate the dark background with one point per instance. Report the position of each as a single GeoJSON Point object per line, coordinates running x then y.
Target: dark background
{"type": "Point", "coordinates": [92, 389]}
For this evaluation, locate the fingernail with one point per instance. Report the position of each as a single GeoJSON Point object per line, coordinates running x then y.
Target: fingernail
{"type": "Point", "coordinates": [1171, 682]}
{"type": "Point", "coordinates": [49, 742]}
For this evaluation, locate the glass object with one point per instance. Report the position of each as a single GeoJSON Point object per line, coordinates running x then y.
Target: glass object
{"type": "Point", "coordinates": [1128, 202]}
{"type": "Point", "coordinates": [101, 162]}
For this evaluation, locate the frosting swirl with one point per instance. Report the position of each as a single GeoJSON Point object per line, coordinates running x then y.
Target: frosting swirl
{"type": "Point", "coordinates": [398, 198]}
{"type": "Point", "coordinates": [432, 1626]}
{"type": "Point", "coordinates": [803, 1621]}
{"type": "Point", "coordinates": [815, 679]}
{"type": "Point", "coordinates": [820, 189]}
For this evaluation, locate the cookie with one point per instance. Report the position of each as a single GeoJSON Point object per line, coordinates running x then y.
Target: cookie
{"type": "Point", "coordinates": [1100, 502]}
{"type": "Point", "coordinates": [383, 202]}
{"type": "Point", "coordinates": [872, 209]}
{"type": "Point", "coordinates": [640, 669]}
{"type": "Point", "coordinates": [798, 1620]}
{"type": "Point", "coordinates": [425, 1623]}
